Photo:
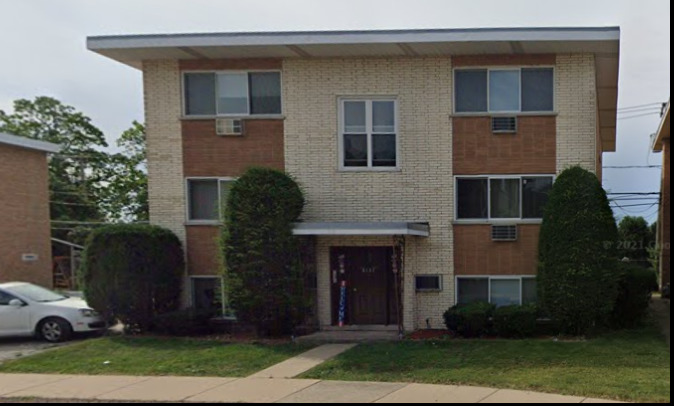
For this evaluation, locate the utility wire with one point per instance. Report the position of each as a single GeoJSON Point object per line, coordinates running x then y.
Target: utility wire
{"type": "Point", "coordinates": [640, 105]}
{"type": "Point", "coordinates": [639, 115]}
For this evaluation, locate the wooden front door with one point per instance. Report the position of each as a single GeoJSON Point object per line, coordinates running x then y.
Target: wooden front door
{"type": "Point", "coordinates": [370, 291]}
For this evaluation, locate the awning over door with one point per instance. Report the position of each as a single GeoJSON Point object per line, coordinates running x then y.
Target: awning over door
{"type": "Point", "coordinates": [363, 229]}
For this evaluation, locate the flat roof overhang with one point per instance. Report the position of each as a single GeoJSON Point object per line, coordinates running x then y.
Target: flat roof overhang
{"type": "Point", "coordinates": [603, 42]}
{"type": "Point", "coordinates": [362, 229]}
{"type": "Point", "coordinates": [663, 131]}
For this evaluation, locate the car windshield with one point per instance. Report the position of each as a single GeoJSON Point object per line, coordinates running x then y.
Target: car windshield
{"type": "Point", "coordinates": [36, 293]}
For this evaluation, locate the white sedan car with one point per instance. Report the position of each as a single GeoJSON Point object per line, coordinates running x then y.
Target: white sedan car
{"type": "Point", "coordinates": [30, 310]}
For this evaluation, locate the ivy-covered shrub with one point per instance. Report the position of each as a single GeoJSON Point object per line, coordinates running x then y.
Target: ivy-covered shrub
{"type": "Point", "coordinates": [635, 287]}
{"type": "Point", "coordinates": [470, 320]}
{"type": "Point", "coordinates": [133, 273]}
{"type": "Point", "coordinates": [182, 323]}
{"type": "Point", "coordinates": [263, 272]}
{"type": "Point", "coordinates": [515, 321]}
{"type": "Point", "coordinates": [578, 248]}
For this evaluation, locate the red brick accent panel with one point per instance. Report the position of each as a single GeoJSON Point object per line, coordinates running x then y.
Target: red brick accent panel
{"type": "Point", "coordinates": [203, 250]}
{"type": "Point", "coordinates": [503, 60]}
{"type": "Point", "coordinates": [532, 150]}
{"type": "Point", "coordinates": [24, 218]}
{"type": "Point", "coordinates": [227, 64]}
{"type": "Point", "coordinates": [476, 254]}
{"type": "Point", "coordinates": [207, 154]}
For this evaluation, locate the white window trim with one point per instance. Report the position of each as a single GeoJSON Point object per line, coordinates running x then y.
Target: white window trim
{"type": "Point", "coordinates": [489, 219]}
{"type": "Point", "coordinates": [490, 278]}
{"type": "Point", "coordinates": [188, 207]}
{"type": "Point", "coordinates": [502, 68]}
{"type": "Point", "coordinates": [368, 126]}
{"type": "Point", "coordinates": [183, 99]}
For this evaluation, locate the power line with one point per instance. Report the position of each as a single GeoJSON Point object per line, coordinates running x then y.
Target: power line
{"type": "Point", "coordinates": [639, 115]}
{"type": "Point", "coordinates": [641, 110]}
{"type": "Point", "coordinates": [640, 105]}
{"type": "Point", "coordinates": [634, 193]}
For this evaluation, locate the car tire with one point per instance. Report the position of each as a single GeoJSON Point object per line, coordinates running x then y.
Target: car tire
{"type": "Point", "coordinates": [54, 330]}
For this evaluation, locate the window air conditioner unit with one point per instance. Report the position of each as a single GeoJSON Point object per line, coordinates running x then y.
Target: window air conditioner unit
{"type": "Point", "coordinates": [229, 127]}
{"type": "Point", "coordinates": [503, 125]}
{"type": "Point", "coordinates": [504, 233]}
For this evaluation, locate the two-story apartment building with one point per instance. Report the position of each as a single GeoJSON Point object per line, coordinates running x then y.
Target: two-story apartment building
{"type": "Point", "coordinates": [426, 156]}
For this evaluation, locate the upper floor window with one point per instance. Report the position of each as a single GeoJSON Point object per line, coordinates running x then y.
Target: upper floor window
{"type": "Point", "coordinates": [232, 93]}
{"type": "Point", "coordinates": [502, 198]}
{"type": "Point", "coordinates": [504, 90]}
{"type": "Point", "coordinates": [368, 132]}
{"type": "Point", "coordinates": [206, 198]}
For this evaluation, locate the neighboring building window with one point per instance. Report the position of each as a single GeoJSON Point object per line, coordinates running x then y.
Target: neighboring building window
{"type": "Point", "coordinates": [369, 134]}
{"type": "Point", "coordinates": [207, 198]}
{"type": "Point", "coordinates": [232, 93]}
{"type": "Point", "coordinates": [500, 198]}
{"type": "Point", "coordinates": [500, 291]}
{"type": "Point", "coordinates": [504, 90]}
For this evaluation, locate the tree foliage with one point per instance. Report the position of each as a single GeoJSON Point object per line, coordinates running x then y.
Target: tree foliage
{"type": "Point", "coordinates": [578, 253]}
{"type": "Point", "coordinates": [133, 273]}
{"type": "Point", "coordinates": [636, 238]}
{"type": "Point", "coordinates": [263, 271]}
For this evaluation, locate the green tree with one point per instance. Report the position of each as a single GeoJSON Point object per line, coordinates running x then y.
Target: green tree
{"type": "Point", "coordinates": [75, 172]}
{"type": "Point", "coordinates": [125, 198]}
{"type": "Point", "coordinates": [263, 271]}
{"type": "Point", "coordinates": [578, 253]}
{"type": "Point", "coordinates": [636, 237]}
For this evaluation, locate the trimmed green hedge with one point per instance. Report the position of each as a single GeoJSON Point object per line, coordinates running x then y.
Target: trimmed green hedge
{"type": "Point", "coordinates": [635, 288]}
{"type": "Point", "coordinates": [132, 273]}
{"type": "Point", "coordinates": [263, 271]}
{"type": "Point", "coordinates": [577, 279]}
{"type": "Point", "coordinates": [471, 320]}
{"type": "Point", "coordinates": [516, 321]}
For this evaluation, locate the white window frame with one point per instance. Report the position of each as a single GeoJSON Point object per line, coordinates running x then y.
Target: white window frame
{"type": "Point", "coordinates": [489, 69]}
{"type": "Point", "coordinates": [369, 132]}
{"type": "Point", "coordinates": [223, 293]}
{"type": "Point", "coordinates": [188, 207]}
{"type": "Point", "coordinates": [183, 88]}
{"type": "Point", "coordinates": [489, 219]}
{"type": "Point", "coordinates": [489, 278]}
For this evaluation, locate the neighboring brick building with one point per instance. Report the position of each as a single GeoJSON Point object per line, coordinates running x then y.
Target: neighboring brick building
{"type": "Point", "coordinates": [426, 156]}
{"type": "Point", "coordinates": [661, 144]}
{"type": "Point", "coordinates": [25, 244]}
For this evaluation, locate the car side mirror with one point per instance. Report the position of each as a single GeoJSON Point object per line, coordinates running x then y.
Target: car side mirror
{"type": "Point", "coordinates": [16, 303]}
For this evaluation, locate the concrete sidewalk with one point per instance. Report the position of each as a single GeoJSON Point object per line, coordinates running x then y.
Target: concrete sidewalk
{"type": "Point", "coordinates": [255, 390]}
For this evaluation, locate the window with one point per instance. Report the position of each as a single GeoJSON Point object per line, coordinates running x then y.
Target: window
{"type": "Point", "coordinates": [504, 90]}
{"type": "Point", "coordinates": [232, 93]}
{"type": "Point", "coordinates": [207, 198]}
{"type": "Point", "coordinates": [428, 283]}
{"type": "Point", "coordinates": [369, 134]}
{"type": "Point", "coordinates": [502, 198]}
{"type": "Point", "coordinates": [500, 291]}
{"type": "Point", "coordinates": [5, 298]}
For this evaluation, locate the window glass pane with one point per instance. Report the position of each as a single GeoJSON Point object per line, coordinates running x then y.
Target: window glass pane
{"type": "Point", "coordinates": [427, 282]}
{"type": "Point", "coordinates": [537, 89]}
{"type": "Point", "coordinates": [265, 93]}
{"type": "Point", "coordinates": [354, 117]}
{"type": "Point", "coordinates": [535, 192]}
{"type": "Point", "coordinates": [504, 90]}
{"type": "Point", "coordinates": [472, 198]}
{"type": "Point", "coordinates": [473, 290]}
{"type": "Point", "coordinates": [384, 150]}
{"type": "Point", "coordinates": [505, 292]}
{"type": "Point", "coordinates": [355, 150]}
{"type": "Point", "coordinates": [207, 294]}
{"type": "Point", "coordinates": [471, 90]}
{"type": "Point", "coordinates": [529, 291]}
{"type": "Point", "coordinates": [199, 94]}
{"type": "Point", "coordinates": [505, 198]}
{"type": "Point", "coordinates": [383, 116]}
{"type": "Point", "coordinates": [203, 200]}
{"type": "Point", "coordinates": [232, 93]}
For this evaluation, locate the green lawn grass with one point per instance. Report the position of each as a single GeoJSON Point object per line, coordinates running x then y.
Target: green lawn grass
{"type": "Point", "coordinates": [155, 356]}
{"type": "Point", "coordinates": [630, 366]}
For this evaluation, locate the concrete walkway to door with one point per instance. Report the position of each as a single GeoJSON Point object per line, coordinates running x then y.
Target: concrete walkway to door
{"type": "Point", "coordinates": [302, 363]}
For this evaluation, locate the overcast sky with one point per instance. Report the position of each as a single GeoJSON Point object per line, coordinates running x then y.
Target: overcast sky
{"type": "Point", "coordinates": [42, 43]}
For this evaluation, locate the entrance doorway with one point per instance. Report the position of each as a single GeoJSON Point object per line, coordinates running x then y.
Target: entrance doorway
{"type": "Point", "coordinates": [370, 296]}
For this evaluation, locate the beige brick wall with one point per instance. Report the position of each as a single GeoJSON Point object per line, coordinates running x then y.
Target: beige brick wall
{"type": "Point", "coordinates": [420, 191]}
{"type": "Point", "coordinates": [576, 102]}
{"type": "Point", "coordinates": [161, 81]}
